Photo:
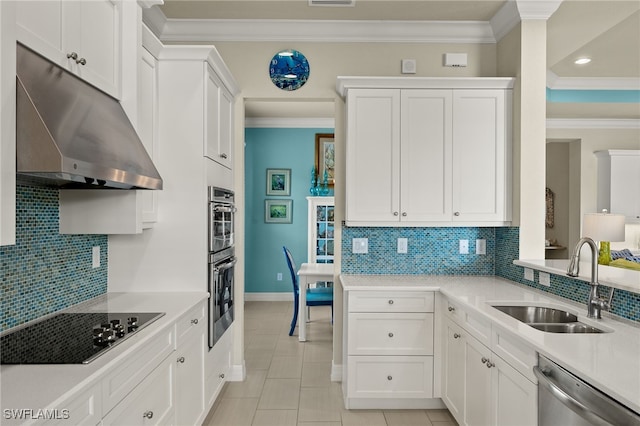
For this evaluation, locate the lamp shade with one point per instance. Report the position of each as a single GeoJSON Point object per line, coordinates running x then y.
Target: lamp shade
{"type": "Point", "coordinates": [603, 226]}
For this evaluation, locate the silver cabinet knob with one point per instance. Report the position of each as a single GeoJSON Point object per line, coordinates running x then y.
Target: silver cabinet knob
{"type": "Point", "coordinates": [456, 213]}
{"type": "Point", "coordinates": [72, 55]}
{"type": "Point", "coordinates": [395, 213]}
{"type": "Point", "coordinates": [456, 336]}
{"type": "Point", "coordinates": [223, 155]}
{"type": "Point", "coordinates": [490, 364]}
{"type": "Point", "coordinates": [194, 321]}
{"type": "Point", "coordinates": [389, 378]}
{"type": "Point", "coordinates": [391, 301]}
{"type": "Point", "coordinates": [81, 61]}
{"type": "Point", "coordinates": [404, 214]}
{"type": "Point", "coordinates": [148, 414]}
{"type": "Point", "coordinates": [484, 360]}
{"type": "Point", "coordinates": [181, 360]}
{"type": "Point", "coordinates": [451, 308]}
{"type": "Point", "coordinates": [390, 334]}
{"type": "Point", "coordinates": [221, 375]}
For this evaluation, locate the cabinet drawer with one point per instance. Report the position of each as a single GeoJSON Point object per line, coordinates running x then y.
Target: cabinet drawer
{"type": "Point", "coordinates": [128, 374]}
{"type": "Point", "coordinates": [390, 334]}
{"type": "Point", "coordinates": [192, 320]}
{"type": "Point", "coordinates": [84, 409]}
{"type": "Point", "coordinates": [150, 403]}
{"type": "Point", "coordinates": [390, 376]}
{"type": "Point", "coordinates": [384, 301]}
{"type": "Point", "coordinates": [480, 328]}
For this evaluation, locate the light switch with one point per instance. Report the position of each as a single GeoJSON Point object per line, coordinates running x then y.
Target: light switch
{"type": "Point", "coordinates": [360, 245]}
{"type": "Point", "coordinates": [95, 257]}
{"type": "Point", "coordinates": [464, 246]}
{"type": "Point", "coordinates": [528, 274]}
{"type": "Point", "coordinates": [403, 245]}
{"type": "Point", "coordinates": [481, 246]}
{"type": "Point", "coordinates": [545, 279]}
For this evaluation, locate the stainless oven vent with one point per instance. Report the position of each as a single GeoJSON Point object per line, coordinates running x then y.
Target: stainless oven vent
{"type": "Point", "coordinates": [70, 134]}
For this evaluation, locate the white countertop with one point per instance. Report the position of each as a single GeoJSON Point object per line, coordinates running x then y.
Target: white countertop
{"type": "Point", "coordinates": [608, 361]}
{"type": "Point", "coordinates": [44, 386]}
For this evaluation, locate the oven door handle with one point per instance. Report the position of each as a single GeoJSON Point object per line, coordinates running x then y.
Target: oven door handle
{"type": "Point", "coordinates": [224, 209]}
{"type": "Point", "coordinates": [225, 265]}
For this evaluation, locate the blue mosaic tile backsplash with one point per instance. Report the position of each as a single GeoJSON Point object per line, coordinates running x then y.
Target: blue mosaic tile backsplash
{"type": "Point", "coordinates": [434, 251]}
{"type": "Point", "coordinates": [625, 303]}
{"type": "Point", "coordinates": [45, 271]}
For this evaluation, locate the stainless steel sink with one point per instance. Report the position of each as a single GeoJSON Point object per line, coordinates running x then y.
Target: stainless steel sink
{"type": "Point", "coordinates": [536, 314]}
{"type": "Point", "coordinates": [548, 319]}
{"type": "Point", "coordinates": [574, 327]}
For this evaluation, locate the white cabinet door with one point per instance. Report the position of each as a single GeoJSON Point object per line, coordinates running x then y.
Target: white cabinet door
{"type": "Point", "coordinates": [320, 229]}
{"type": "Point", "coordinates": [477, 408]}
{"type": "Point", "coordinates": [373, 155]}
{"type": "Point", "coordinates": [454, 372]}
{"type": "Point", "coordinates": [479, 157]}
{"type": "Point", "coordinates": [81, 36]}
{"type": "Point", "coordinates": [190, 380]}
{"type": "Point", "coordinates": [425, 155]}
{"type": "Point", "coordinates": [515, 398]}
{"type": "Point", "coordinates": [218, 144]}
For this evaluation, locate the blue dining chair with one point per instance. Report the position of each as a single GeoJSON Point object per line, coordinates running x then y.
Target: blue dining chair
{"type": "Point", "coordinates": [315, 296]}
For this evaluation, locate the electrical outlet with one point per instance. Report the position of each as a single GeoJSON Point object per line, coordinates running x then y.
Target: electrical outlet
{"type": "Point", "coordinates": [403, 245]}
{"type": "Point", "coordinates": [481, 246]}
{"type": "Point", "coordinates": [360, 245]}
{"type": "Point", "coordinates": [279, 276]}
{"type": "Point", "coordinates": [95, 257]}
{"type": "Point", "coordinates": [464, 247]}
{"type": "Point", "coordinates": [528, 274]}
{"type": "Point", "coordinates": [545, 279]}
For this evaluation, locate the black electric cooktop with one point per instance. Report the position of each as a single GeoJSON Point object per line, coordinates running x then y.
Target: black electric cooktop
{"type": "Point", "coordinates": [71, 338]}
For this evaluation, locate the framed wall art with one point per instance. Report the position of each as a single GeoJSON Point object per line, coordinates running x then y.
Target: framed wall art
{"type": "Point", "coordinates": [278, 211]}
{"type": "Point", "coordinates": [325, 157]}
{"type": "Point", "coordinates": [279, 182]}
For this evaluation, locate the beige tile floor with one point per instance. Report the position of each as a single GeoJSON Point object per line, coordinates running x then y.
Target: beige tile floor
{"type": "Point", "coordinates": [288, 382]}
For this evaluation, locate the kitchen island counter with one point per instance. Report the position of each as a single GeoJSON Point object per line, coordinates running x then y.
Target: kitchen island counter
{"type": "Point", "coordinates": [609, 361]}
{"type": "Point", "coordinates": [32, 388]}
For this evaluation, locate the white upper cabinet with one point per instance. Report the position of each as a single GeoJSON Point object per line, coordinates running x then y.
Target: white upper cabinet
{"type": "Point", "coordinates": [219, 118]}
{"type": "Point", "coordinates": [618, 177]}
{"type": "Point", "coordinates": [437, 154]}
{"type": "Point", "coordinates": [83, 37]}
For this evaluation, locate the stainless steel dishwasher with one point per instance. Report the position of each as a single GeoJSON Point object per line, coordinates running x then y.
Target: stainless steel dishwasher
{"type": "Point", "coordinates": [566, 400]}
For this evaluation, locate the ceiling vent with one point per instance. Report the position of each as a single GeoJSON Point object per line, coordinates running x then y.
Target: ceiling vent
{"type": "Point", "coordinates": [332, 2]}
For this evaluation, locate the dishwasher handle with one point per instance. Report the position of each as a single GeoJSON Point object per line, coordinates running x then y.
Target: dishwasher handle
{"type": "Point", "coordinates": [570, 402]}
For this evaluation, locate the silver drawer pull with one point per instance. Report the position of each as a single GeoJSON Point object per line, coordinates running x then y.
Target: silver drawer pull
{"type": "Point", "coordinates": [81, 61]}
{"type": "Point", "coordinates": [456, 214]}
{"type": "Point", "coordinates": [456, 336]}
{"type": "Point", "coordinates": [72, 55]}
{"type": "Point", "coordinates": [223, 155]}
{"type": "Point", "coordinates": [221, 375]}
{"type": "Point", "coordinates": [395, 213]}
{"type": "Point", "coordinates": [194, 321]}
{"type": "Point", "coordinates": [404, 214]}
{"type": "Point", "coordinates": [390, 334]}
{"type": "Point", "coordinates": [451, 308]}
{"type": "Point", "coordinates": [181, 360]}
{"type": "Point", "coordinates": [389, 378]}
{"type": "Point", "coordinates": [490, 364]}
{"type": "Point", "coordinates": [148, 414]}
{"type": "Point", "coordinates": [484, 360]}
{"type": "Point", "coordinates": [391, 301]}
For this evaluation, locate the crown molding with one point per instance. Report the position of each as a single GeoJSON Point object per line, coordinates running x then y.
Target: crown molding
{"type": "Point", "coordinates": [215, 30]}
{"type": "Point", "coordinates": [505, 20]}
{"type": "Point", "coordinates": [298, 123]}
{"type": "Point", "coordinates": [344, 83]}
{"type": "Point", "coordinates": [554, 82]}
{"type": "Point", "coordinates": [594, 123]}
{"type": "Point", "coordinates": [536, 9]}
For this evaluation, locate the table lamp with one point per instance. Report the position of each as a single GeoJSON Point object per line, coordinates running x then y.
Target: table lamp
{"type": "Point", "coordinates": [603, 227]}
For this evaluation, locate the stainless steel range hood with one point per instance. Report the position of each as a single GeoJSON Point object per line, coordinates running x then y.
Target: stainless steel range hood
{"type": "Point", "coordinates": [71, 135]}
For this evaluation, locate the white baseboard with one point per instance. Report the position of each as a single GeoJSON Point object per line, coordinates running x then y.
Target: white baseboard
{"type": "Point", "coordinates": [269, 297]}
{"type": "Point", "coordinates": [237, 372]}
{"type": "Point", "coordinates": [336, 372]}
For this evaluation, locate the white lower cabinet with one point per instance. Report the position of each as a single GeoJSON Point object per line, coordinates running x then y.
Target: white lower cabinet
{"type": "Point", "coordinates": [389, 350]}
{"type": "Point", "coordinates": [151, 402]}
{"type": "Point", "coordinates": [478, 386]}
{"type": "Point", "coordinates": [218, 366]}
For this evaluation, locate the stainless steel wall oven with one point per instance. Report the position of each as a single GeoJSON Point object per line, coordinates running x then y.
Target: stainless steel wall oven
{"type": "Point", "coordinates": [222, 262]}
